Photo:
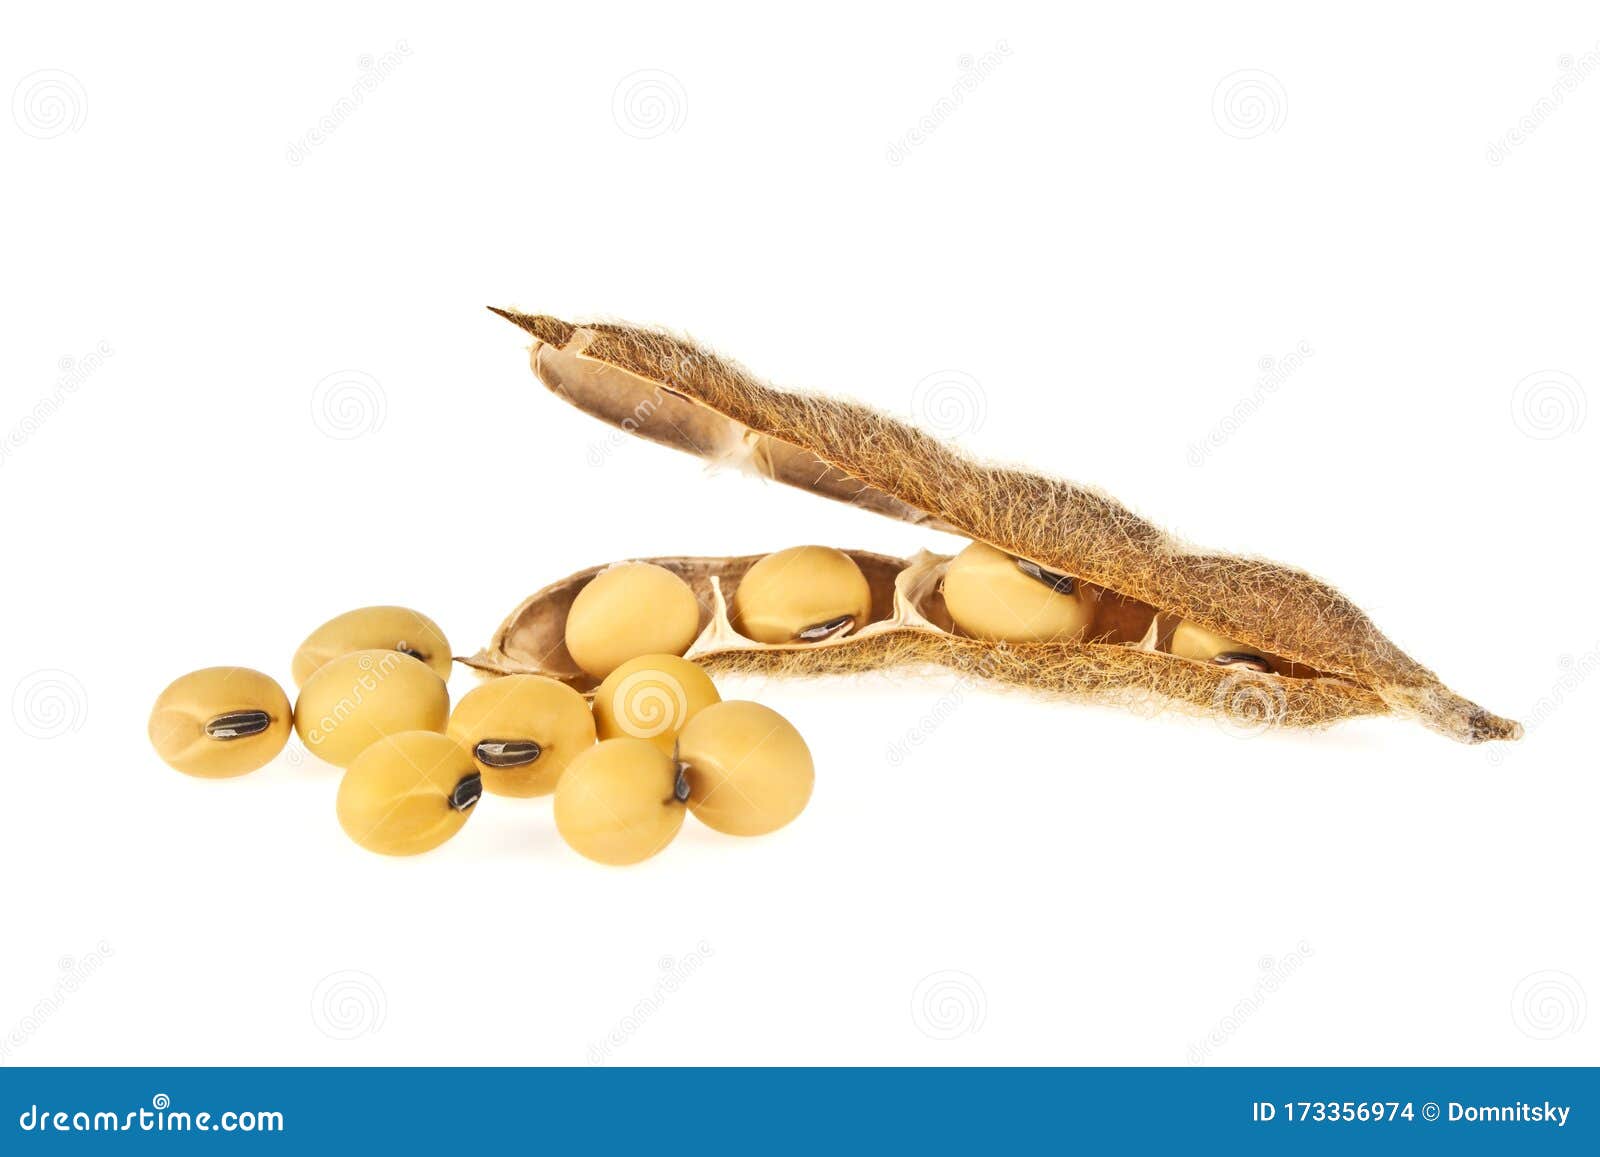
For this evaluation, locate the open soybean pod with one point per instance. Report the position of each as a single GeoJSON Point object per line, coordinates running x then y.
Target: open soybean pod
{"type": "Point", "coordinates": [1324, 659]}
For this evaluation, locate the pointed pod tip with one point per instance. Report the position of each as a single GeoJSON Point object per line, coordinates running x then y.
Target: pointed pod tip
{"type": "Point", "coordinates": [1440, 708]}
{"type": "Point", "coordinates": [547, 329]}
{"type": "Point", "coordinates": [514, 316]}
{"type": "Point", "coordinates": [1484, 726]}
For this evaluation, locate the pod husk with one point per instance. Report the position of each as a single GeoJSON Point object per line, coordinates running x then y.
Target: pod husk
{"type": "Point", "coordinates": [672, 391]}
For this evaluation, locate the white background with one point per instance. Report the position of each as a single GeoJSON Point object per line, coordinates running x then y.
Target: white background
{"type": "Point", "coordinates": [302, 406]}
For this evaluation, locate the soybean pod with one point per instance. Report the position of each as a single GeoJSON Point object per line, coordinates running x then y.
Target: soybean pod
{"type": "Point", "coordinates": [1299, 653]}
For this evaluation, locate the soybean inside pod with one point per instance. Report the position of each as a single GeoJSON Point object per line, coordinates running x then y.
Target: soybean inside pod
{"type": "Point", "coordinates": [1314, 656]}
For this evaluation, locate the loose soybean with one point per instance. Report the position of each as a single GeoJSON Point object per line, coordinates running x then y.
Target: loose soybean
{"type": "Point", "coordinates": [522, 731]}
{"type": "Point", "coordinates": [220, 722]}
{"type": "Point", "coordinates": [747, 768]}
{"type": "Point", "coordinates": [357, 699]}
{"type": "Point", "coordinates": [617, 803]}
{"type": "Point", "coordinates": [652, 697]}
{"type": "Point", "coordinates": [408, 793]}
{"type": "Point", "coordinates": [390, 628]}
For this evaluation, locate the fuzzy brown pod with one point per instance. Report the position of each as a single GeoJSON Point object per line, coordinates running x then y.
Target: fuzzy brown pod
{"type": "Point", "coordinates": [909, 625]}
{"type": "Point", "coordinates": [1328, 660]}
